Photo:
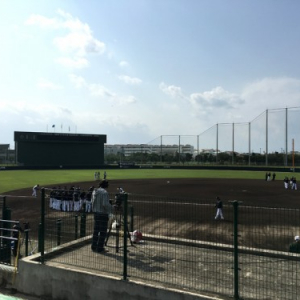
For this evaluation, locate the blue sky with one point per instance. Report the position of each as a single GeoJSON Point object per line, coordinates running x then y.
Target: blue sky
{"type": "Point", "coordinates": [138, 69]}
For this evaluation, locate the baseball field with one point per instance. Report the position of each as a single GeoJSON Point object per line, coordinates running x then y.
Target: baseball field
{"type": "Point", "coordinates": [192, 186]}
{"type": "Point", "coordinates": [180, 204]}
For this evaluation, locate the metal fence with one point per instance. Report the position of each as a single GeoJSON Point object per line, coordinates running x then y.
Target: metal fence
{"type": "Point", "coordinates": [274, 130]}
{"type": "Point", "coordinates": [246, 255]}
{"type": "Point", "coordinates": [12, 237]}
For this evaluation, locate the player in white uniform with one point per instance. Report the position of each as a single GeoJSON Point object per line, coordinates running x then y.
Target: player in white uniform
{"type": "Point", "coordinates": [35, 189]}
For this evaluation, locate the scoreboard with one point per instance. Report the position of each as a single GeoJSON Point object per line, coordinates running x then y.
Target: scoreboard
{"type": "Point", "coordinates": [43, 149]}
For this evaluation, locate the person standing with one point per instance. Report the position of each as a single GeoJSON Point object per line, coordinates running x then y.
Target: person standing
{"type": "Point", "coordinates": [219, 207]}
{"type": "Point", "coordinates": [35, 189]}
{"type": "Point", "coordinates": [286, 182]}
{"type": "Point", "coordinates": [101, 208]}
{"type": "Point", "coordinates": [294, 185]}
{"type": "Point", "coordinates": [295, 246]}
{"type": "Point", "coordinates": [88, 202]}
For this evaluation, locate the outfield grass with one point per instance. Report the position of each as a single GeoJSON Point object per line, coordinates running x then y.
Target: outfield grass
{"type": "Point", "coordinates": [13, 180]}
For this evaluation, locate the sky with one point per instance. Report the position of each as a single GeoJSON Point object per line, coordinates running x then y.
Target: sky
{"type": "Point", "coordinates": [136, 70]}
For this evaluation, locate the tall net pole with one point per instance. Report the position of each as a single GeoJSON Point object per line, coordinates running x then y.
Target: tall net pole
{"type": "Point", "coordinates": [293, 154]}
{"type": "Point", "coordinates": [249, 143]}
{"type": "Point", "coordinates": [286, 136]}
{"type": "Point", "coordinates": [232, 143]}
{"type": "Point", "coordinates": [217, 142]}
{"type": "Point", "coordinates": [266, 137]}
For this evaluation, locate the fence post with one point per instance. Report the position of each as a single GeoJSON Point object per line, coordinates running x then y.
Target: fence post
{"type": "Point", "coordinates": [26, 242]}
{"type": "Point", "coordinates": [125, 236]}
{"type": "Point", "coordinates": [131, 218]}
{"type": "Point", "coordinates": [39, 237]}
{"type": "Point", "coordinates": [58, 228]}
{"type": "Point", "coordinates": [76, 227]}
{"type": "Point", "coordinates": [3, 207]}
{"type": "Point", "coordinates": [83, 225]}
{"type": "Point", "coordinates": [6, 243]}
{"type": "Point", "coordinates": [42, 226]}
{"type": "Point", "coordinates": [235, 250]}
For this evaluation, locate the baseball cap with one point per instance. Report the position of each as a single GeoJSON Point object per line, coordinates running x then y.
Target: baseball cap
{"type": "Point", "coordinates": [103, 183]}
{"type": "Point", "coordinates": [297, 238]}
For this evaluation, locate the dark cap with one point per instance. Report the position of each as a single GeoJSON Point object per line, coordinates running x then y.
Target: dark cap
{"type": "Point", "coordinates": [103, 184]}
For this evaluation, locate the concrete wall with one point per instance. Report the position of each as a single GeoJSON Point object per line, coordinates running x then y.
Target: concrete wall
{"type": "Point", "coordinates": [59, 282]}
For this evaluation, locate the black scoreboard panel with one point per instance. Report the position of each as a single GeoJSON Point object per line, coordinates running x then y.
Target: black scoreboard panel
{"type": "Point", "coordinates": [59, 149]}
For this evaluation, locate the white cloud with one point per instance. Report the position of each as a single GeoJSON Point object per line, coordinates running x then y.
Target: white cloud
{"type": "Point", "coordinates": [73, 63]}
{"type": "Point", "coordinates": [43, 22]}
{"type": "Point", "coordinates": [216, 98]}
{"type": "Point", "coordinates": [47, 84]}
{"type": "Point", "coordinates": [98, 90]}
{"type": "Point", "coordinates": [171, 90]}
{"type": "Point", "coordinates": [123, 64]}
{"type": "Point", "coordinates": [130, 80]}
{"type": "Point", "coordinates": [126, 100]}
{"type": "Point", "coordinates": [275, 92]}
{"type": "Point", "coordinates": [78, 81]}
{"type": "Point", "coordinates": [206, 102]}
{"type": "Point", "coordinates": [77, 43]}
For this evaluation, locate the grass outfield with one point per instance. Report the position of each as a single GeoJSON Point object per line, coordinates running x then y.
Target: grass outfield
{"type": "Point", "coordinates": [14, 180]}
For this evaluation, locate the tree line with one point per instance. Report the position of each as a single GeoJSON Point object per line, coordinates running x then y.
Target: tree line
{"type": "Point", "coordinates": [222, 158]}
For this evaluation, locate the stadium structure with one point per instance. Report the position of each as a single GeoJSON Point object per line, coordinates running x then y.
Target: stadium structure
{"type": "Point", "coordinates": [43, 149]}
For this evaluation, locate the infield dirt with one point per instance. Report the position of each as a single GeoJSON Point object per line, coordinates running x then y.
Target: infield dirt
{"type": "Point", "coordinates": [261, 193]}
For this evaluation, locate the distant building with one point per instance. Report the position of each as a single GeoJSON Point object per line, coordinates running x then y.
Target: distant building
{"type": "Point", "coordinates": [7, 155]}
{"type": "Point", "coordinates": [209, 151]}
{"type": "Point", "coordinates": [129, 149]}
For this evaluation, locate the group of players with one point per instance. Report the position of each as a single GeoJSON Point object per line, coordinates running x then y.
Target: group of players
{"type": "Point", "coordinates": [72, 199]}
{"type": "Point", "coordinates": [290, 183]}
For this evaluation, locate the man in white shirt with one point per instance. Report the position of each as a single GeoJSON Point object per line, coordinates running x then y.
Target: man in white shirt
{"type": "Point", "coordinates": [101, 207]}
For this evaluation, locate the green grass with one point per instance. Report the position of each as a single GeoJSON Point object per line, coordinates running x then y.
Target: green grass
{"type": "Point", "coordinates": [13, 180]}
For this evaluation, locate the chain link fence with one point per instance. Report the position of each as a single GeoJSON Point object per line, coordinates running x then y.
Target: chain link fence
{"type": "Point", "coordinates": [272, 132]}
{"type": "Point", "coordinates": [183, 246]}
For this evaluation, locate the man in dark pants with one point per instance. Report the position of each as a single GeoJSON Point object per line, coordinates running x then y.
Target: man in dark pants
{"type": "Point", "coordinates": [101, 208]}
{"type": "Point", "coordinates": [219, 207]}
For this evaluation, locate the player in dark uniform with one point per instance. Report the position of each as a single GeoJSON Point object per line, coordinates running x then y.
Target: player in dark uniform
{"type": "Point", "coordinates": [219, 207]}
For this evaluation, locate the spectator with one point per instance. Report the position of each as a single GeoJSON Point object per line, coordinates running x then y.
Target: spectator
{"type": "Point", "coordinates": [295, 246]}
{"type": "Point", "coordinates": [101, 208]}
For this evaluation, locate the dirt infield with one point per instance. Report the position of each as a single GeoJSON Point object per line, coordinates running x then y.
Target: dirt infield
{"type": "Point", "coordinates": [249, 192]}
{"type": "Point", "coordinates": [258, 231]}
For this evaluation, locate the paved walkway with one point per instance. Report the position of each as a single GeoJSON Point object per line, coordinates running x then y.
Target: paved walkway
{"type": "Point", "coordinates": [6, 294]}
{"type": "Point", "coordinates": [195, 269]}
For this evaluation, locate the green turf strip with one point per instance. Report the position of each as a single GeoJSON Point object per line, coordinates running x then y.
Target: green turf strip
{"type": "Point", "coordinates": [13, 180]}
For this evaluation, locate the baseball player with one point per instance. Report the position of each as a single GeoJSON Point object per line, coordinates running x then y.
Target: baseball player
{"type": "Point", "coordinates": [35, 189]}
{"type": "Point", "coordinates": [286, 183]}
{"type": "Point", "coordinates": [219, 207]}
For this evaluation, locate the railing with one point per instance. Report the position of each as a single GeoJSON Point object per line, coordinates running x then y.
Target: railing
{"type": "Point", "coordinates": [246, 255]}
